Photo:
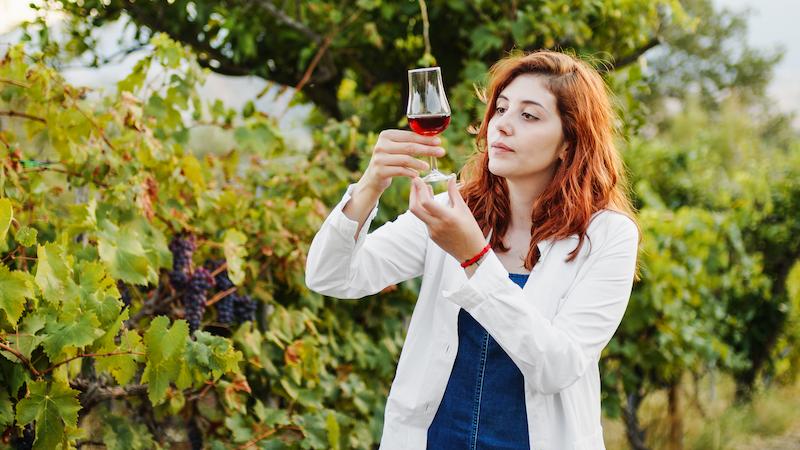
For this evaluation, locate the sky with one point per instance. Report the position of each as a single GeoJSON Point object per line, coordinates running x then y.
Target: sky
{"type": "Point", "coordinates": [772, 23]}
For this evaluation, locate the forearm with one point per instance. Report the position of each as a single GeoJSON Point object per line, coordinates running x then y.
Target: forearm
{"type": "Point", "coordinates": [361, 202]}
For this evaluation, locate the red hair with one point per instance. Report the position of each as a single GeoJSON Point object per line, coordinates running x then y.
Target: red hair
{"type": "Point", "coordinates": [590, 178]}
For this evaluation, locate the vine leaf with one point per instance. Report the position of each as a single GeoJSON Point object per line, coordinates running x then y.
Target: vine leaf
{"type": "Point", "coordinates": [6, 410]}
{"type": "Point", "coordinates": [15, 287]}
{"type": "Point", "coordinates": [26, 236]}
{"type": "Point", "coordinates": [62, 337]}
{"type": "Point", "coordinates": [98, 292]}
{"type": "Point", "coordinates": [54, 406]}
{"type": "Point", "coordinates": [53, 272]}
{"type": "Point", "coordinates": [6, 214]}
{"type": "Point", "coordinates": [165, 350]}
{"type": "Point", "coordinates": [122, 367]}
{"type": "Point", "coordinates": [234, 255]}
{"type": "Point", "coordinates": [120, 248]}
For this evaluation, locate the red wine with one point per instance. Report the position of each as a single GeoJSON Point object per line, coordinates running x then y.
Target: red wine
{"type": "Point", "coordinates": [429, 125]}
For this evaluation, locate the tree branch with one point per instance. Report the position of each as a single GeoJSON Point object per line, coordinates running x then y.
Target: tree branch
{"type": "Point", "coordinates": [88, 355]}
{"type": "Point", "coordinates": [423, 8]}
{"type": "Point", "coordinates": [23, 115]}
{"type": "Point", "coordinates": [93, 392]}
{"type": "Point", "coordinates": [13, 82]}
{"type": "Point", "coordinates": [282, 17]}
{"type": "Point", "coordinates": [628, 59]}
{"type": "Point", "coordinates": [22, 358]}
{"type": "Point", "coordinates": [220, 295]}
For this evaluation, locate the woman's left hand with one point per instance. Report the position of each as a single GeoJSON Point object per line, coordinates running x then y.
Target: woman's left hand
{"type": "Point", "coordinates": [452, 227]}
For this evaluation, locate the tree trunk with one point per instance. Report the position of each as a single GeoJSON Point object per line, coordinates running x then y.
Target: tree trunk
{"type": "Point", "coordinates": [633, 431]}
{"type": "Point", "coordinates": [675, 416]}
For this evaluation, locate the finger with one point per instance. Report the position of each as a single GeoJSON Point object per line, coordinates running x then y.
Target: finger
{"type": "Point", "coordinates": [452, 191]}
{"type": "Point", "coordinates": [410, 136]}
{"type": "Point", "coordinates": [404, 161]}
{"type": "Point", "coordinates": [427, 202]}
{"type": "Point", "coordinates": [415, 206]}
{"type": "Point", "coordinates": [397, 171]}
{"type": "Point", "coordinates": [413, 149]}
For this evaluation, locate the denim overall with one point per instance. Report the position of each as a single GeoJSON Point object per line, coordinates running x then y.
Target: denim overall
{"type": "Point", "coordinates": [483, 407]}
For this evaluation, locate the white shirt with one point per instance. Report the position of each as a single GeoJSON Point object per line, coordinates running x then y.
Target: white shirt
{"type": "Point", "coordinates": [553, 329]}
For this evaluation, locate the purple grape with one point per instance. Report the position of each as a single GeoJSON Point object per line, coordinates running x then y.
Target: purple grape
{"type": "Point", "coordinates": [244, 308]}
{"type": "Point", "coordinates": [225, 306]}
{"type": "Point", "coordinates": [24, 441]}
{"type": "Point", "coordinates": [195, 297]}
{"type": "Point", "coordinates": [124, 293]}
{"type": "Point", "coordinates": [195, 436]}
{"type": "Point", "coordinates": [182, 247]}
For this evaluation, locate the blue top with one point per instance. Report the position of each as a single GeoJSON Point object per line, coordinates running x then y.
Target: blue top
{"type": "Point", "coordinates": [484, 403]}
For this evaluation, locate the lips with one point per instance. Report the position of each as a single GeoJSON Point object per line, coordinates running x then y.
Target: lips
{"type": "Point", "coordinates": [499, 146]}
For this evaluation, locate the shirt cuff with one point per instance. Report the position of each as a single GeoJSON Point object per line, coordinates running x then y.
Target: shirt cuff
{"type": "Point", "coordinates": [346, 226]}
{"type": "Point", "coordinates": [490, 276]}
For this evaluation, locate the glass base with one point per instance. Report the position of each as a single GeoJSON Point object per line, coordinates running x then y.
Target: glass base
{"type": "Point", "coordinates": [435, 176]}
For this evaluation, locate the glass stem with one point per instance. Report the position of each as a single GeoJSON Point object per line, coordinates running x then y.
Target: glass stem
{"type": "Point", "coordinates": [433, 165]}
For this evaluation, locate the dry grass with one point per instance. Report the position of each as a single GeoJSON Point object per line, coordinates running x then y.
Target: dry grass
{"type": "Point", "coordinates": [771, 421]}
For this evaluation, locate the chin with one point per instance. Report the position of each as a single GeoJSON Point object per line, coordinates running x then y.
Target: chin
{"type": "Point", "coordinates": [499, 170]}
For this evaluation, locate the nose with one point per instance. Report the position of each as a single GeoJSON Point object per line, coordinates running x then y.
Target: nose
{"type": "Point", "coordinates": [503, 124]}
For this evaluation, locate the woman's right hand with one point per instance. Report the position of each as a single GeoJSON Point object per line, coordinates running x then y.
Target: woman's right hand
{"type": "Point", "coordinates": [395, 154]}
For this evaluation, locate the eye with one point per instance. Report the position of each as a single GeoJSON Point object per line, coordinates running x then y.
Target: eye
{"type": "Point", "coordinates": [499, 110]}
{"type": "Point", "coordinates": [529, 116]}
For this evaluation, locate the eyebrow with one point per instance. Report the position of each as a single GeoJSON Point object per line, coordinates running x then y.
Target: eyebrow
{"type": "Point", "coordinates": [529, 102]}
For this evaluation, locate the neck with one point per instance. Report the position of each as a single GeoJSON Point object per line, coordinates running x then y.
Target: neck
{"type": "Point", "coordinates": [521, 195]}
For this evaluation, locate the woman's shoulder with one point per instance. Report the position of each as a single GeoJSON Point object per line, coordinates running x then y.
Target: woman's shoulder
{"type": "Point", "coordinates": [609, 221]}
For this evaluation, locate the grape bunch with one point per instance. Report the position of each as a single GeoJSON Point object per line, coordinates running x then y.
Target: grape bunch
{"type": "Point", "coordinates": [24, 441]}
{"type": "Point", "coordinates": [182, 248]}
{"type": "Point", "coordinates": [195, 435]}
{"type": "Point", "coordinates": [233, 308]}
{"type": "Point", "coordinates": [221, 278]}
{"type": "Point", "coordinates": [244, 308]}
{"type": "Point", "coordinates": [225, 306]}
{"type": "Point", "coordinates": [194, 300]}
{"type": "Point", "coordinates": [124, 292]}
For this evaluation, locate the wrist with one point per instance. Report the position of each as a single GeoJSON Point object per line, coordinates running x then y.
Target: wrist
{"type": "Point", "coordinates": [476, 256]}
{"type": "Point", "coordinates": [367, 187]}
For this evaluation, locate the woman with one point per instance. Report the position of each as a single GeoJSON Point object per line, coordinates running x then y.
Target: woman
{"type": "Point", "coordinates": [526, 269]}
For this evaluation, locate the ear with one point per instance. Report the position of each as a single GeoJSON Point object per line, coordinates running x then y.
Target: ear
{"type": "Point", "coordinates": [562, 152]}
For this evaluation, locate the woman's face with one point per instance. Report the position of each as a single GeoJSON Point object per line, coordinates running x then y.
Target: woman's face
{"type": "Point", "coordinates": [524, 136]}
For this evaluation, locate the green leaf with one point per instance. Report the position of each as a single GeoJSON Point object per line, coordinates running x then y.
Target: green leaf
{"type": "Point", "coordinates": [193, 172]}
{"type": "Point", "coordinates": [332, 425]}
{"type": "Point", "coordinates": [212, 353]}
{"type": "Point", "coordinates": [54, 406]}
{"type": "Point", "coordinates": [26, 236]}
{"type": "Point", "coordinates": [62, 337]}
{"type": "Point", "coordinates": [123, 434]}
{"type": "Point", "coordinates": [235, 253]}
{"type": "Point", "coordinates": [122, 367]}
{"type": "Point", "coordinates": [15, 288]}
{"type": "Point", "coordinates": [27, 339]}
{"type": "Point", "coordinates": [122, 251]}
{"type": "Point", "coordinates": [98, 292]}
{"type": "Point", "coordinates": [53, 274]}
{"type": "Point", "coordinates": [165, 349]}
{"type": "Point", "coordinates": [6, 214]}
{"type": "Point", "coordinates": [6, 410]}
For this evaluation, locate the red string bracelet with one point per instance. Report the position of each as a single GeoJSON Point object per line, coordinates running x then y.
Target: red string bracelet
{"type": "Point", "coordinates": [475, 258]}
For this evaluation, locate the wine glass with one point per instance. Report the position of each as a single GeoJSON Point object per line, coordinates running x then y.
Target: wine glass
{"type": "Point", "coordinates": [428, 111]}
